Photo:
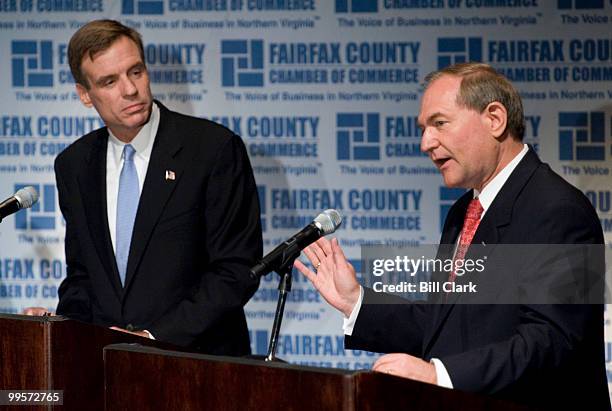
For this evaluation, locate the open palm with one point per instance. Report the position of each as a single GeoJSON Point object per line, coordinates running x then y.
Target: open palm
{"type": "Point", "coordinates": [334, 277]}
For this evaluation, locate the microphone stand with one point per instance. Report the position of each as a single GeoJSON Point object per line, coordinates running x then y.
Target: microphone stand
{"type": "Point", "coordinates": [284, 287]}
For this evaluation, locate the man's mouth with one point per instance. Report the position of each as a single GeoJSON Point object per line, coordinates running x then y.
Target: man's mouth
{"type": "Point", "coordinates": [134, 108]}
{"type": "Point", "coordinates": [439, 162]}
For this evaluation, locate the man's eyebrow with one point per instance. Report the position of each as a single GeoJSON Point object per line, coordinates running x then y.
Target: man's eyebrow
{"type": "Point", "coordinates": [103, 79]}
{"type": "Point", "coordinates": [139, 65]}
{"type": "Point", "coordinates": [429, 119]}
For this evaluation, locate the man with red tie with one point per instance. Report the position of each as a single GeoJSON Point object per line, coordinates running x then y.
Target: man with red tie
{"type": "Point", "coordinates": [545, 355]}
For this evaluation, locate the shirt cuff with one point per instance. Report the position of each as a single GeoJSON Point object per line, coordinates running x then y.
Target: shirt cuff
{"type": "Point", "coordinates": [349, 323]}
{"type": "Point", "coordinates": [442, 376]}
{"type": "Point", "coordinates": [149, 333]}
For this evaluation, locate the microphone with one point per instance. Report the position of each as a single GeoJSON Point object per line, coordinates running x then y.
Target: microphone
{"type": "Point", "coordinates": [24, 198]}
{"type": "Point", "coordinates": [326, 223]}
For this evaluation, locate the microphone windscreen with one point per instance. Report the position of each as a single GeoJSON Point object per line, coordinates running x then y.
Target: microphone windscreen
{"type": "Point", "coordinates": [27, 196]}
{"type": "Point", "coordinates": [329, 221]}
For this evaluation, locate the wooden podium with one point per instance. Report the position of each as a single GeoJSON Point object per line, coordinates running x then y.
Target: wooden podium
{"type": "Point", "coordinates": [97, 369]}
{"type": "Point", "coordinates": [54, 353]}
{"type": "Point", "coordinates": [148, 378]}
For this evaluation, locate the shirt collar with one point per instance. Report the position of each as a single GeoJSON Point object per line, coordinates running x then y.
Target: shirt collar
{"type": "Point", "coordinates": [489, 192]}
{"type": "Point", "coordinates": [142, 142]}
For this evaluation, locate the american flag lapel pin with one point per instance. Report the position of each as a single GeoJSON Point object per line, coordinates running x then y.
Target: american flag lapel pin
{"type": "Point", "coordinates": [170, 175]}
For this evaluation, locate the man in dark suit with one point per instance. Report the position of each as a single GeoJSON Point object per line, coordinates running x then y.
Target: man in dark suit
{"type": "Point", "coordinates": [546, 355]}
{"type": "Point", "coordinates": [161, 209]}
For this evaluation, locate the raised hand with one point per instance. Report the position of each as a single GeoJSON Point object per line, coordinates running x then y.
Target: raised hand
{"type": "Point", "coordinates": [334, 277]}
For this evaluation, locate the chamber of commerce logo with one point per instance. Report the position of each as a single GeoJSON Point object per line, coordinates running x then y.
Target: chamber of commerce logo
{"type": "Point", "coordinates": [242, 63]}
{"type": "Point", "coordinates": [41, 216]}
{"type": "Point", "coordinates": [32, 63]}
{"type": "Point", "coordinates": [582, 136]}
{"type": "Point", "coordinates": [448, 196]}
{"type": "Point", "coordinates": [356, 6]}
{"type": "Point", "coordinates": [142, 7]}
{"type": "Point", "coordinates": [580, 4]}
{"type": "Point", "coordinates": [358, 136]}
{"type": "Point", "coordinates": [453, 50]}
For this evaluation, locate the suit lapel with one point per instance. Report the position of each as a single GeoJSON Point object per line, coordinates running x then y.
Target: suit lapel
{"type": "Point", "coordinates": [499, 215]}
{"type": "Point", "coordinates": [452, 228]}
{"type": "Point", "coordinates": [490, 229]}
{"type": "Point", "coordinates": [92, 186]}
{"type": "Point", "coordinates": [157, 189]}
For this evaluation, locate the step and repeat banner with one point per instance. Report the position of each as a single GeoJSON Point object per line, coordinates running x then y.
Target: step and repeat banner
{"type": "Point", "coordinates": [325, 95]}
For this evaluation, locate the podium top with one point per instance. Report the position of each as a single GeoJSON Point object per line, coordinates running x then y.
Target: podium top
{"type": "Point", "coordinates": [39, 318]}
{"type": "Point", "coordinates": [137, 348]}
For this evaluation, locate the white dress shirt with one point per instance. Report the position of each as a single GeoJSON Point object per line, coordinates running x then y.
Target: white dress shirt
{"type": "Point", "coordinates": [143, 144]}
{"type": "Point", "coordinates": [486, 197]}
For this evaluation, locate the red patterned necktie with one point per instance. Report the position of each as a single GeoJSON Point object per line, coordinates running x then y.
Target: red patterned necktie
{"type": "Point", "coordinates": [470, 224]}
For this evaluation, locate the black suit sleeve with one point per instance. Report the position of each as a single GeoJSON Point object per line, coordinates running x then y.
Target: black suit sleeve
{"type": "Point", "coordinates": [75, 290]}
{"type": "Point", "coordinates": [387, 323]}
{"type": "Point", "coordinates": [548, 336]}
{"type": "Point", "coordinates": [233, 243]}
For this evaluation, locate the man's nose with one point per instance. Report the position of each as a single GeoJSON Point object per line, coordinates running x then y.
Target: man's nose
{"type": "Point", "coordinates": [128, 87]}
{"type": "Point", "coordinates": [428, 141]}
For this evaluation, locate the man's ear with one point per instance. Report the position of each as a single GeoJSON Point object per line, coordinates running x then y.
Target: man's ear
{"type": "Point", "coordinates": [84, 95]}
{"type": "Point", "coordinates": [495, 117]}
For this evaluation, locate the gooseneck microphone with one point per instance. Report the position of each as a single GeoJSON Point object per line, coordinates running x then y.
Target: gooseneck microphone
{"type": "Point", "coordinates": [326, 223]}
{"type": "Point", "coordinates": [24, 198]}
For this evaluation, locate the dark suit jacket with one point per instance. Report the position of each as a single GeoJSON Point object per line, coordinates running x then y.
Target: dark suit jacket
{"type": "Point", "coordinates": [550, 356]}
{"type": "Point", "coordinates": [194, 238]}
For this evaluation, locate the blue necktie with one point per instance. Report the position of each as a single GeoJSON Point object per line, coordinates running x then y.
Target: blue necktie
{"type": "Point", "coordinates": [127, 204]}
